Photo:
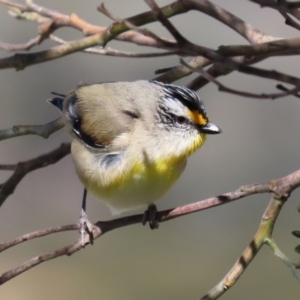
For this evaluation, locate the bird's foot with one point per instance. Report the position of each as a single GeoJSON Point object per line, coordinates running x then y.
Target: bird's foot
{"type": "Point", "coordinates": [150, 215]}
{"type": "Point", "coordinates": [86, 229]}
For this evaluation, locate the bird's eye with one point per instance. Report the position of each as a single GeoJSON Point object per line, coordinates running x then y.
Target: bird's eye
{"type": "Point", "coordinates": [181, 120]}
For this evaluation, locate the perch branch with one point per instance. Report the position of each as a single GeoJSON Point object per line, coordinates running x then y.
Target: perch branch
{"type": "Point", "coordinates": [281, 188]}
{"type": "Point", "coordinates": [101, 227]}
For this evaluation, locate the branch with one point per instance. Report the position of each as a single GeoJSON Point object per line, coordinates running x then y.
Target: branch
{"type": "Point", "coordinates": [285, 8]}
{"type": "Point", "coordinates": [251, 34]}
{"type": "Point", "coordinates": [278, 47]}
{"type": "Point", "coordinates": [23, 168]}
{"type": "Point", "coordinates": [281, 188]}
{"type": "Point", "coordinates": [20, 61]}
{"type": "Point", "coordinates": [192, 49]}
{"type": "Point", "coordinates": [17, 47]}
{"type": "Point", "coordinates": [113, 52]}
{"type": "Point", "coordinates": [101, 227]}
{"type": "Point", "coordinates": [223, 88]}
{"type": "Point", "coordinates": [292, 267]}
{"type": "Point", "coordinates": [36, 234]}
{"type": "Point", "coordinates": [117, 31]}
{"type": "Point", "coordinates": [44, 130]}
{"type": "Point", "coordinates": [278, 5]}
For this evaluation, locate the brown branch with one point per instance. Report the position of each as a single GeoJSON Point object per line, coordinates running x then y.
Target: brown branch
{"type": "Point", "coordinates": [113, 52]}
{"type": "Point", "coordinates": [181, 41]}
{"type": "Point", "coordinates": [20, 61]}
{"type": "Point", "coordinates": [44, 130]}
{"type": "Point", "coordinates": [144, 31]}
{"type": "Point", "coordinates": [216, 70]}
{"type": "Point", "coordinates": [278, 5]}
{"type": "Point", "coordinates": [60, 20]}
{"type": "Point", "coordinates": [101, 227]}
{"type": "Point", "coordinates": [248, 54]}
{"type": "Point", "coordinates": [8, 167]}
{"type": "Point", "coordinates": [278, 47]}
{"type": "Point", "coordinates": [284, 8]}
{"type": "Point", "coordinates": [251, 34]}
{"type": "Point", "coordinates": [281, 188]}
{"type": "Point", "coordinates": [36, 234]}
{"type": "Point", "coordinates": [192, 49]}
{"type": "Point", "coordinates": [283, 88]}
{"type": "Point", "coordinates": [226, 89]}
{"type": "Point", "coordinates": [23, 168]}
{"type": "Point", "coordinates": [289, 21]}
{"type": "Point", "coordinates": [182, 71]}
{"type": "Point", "coordinates": [17, 47]}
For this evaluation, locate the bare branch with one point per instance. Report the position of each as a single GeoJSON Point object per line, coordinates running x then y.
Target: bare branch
{"type": "Point", "coordinates": [26, 46]}
{"type": "Point", "coordinates": [36, 234]}
{"type": "Point", "coordinates": [283, 88]}
{"type": "Point", "coordinates": [129, 25]}
{"type": "Point", "coordinates": [44, 130]}
{"type": "Point", "coordinates": [182, 71]}
{"type": "Point", "coordinates": [281, 188]}
{"type": "Point", "coordinates": [282, 4]}
{"type": "Point", "coordinates": [285, 8]}
{"type": "Point", "coordinates": [87, 29]}
{"type": "Point", "coordinates": [192, 49]}
{"type": "Point", "coordinates": [23, 168]}
{"type": "Point", "coordinates": [113, 52]}
{"type": "Point", "coordinates": [251, 34]}
{"type": "Point", "coordinates": [282, 191]}
{"type": "Point", "coordinates": [8, 167]}
{"type": "Point", "coordinates": [278, 47]}
{"type": "Point", "coordinates": [223, 88]}
{"type": "Point", "coordinates": [20, 61]}
{"type": "Point", "coordinates": [289, 21]}
{"type": "Point", "coordinates": [106, 226]}
{"type": "Point", "coordinates": [181, 41]}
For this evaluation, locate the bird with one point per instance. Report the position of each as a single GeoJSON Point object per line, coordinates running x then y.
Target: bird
{"type": "Point", "coordinates": [131, 140]}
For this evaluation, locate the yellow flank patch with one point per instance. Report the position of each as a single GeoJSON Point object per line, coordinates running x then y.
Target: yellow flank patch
{"type": "Point", "coordinates": [148, 174]}
{"type": "Point", "coordinates": [160, 167]}
{"type": "Point", "coordinates": [197, 117]}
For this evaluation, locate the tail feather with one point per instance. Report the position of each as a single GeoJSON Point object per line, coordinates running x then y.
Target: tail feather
{"type": "Point", "coordinates": [57, 101]}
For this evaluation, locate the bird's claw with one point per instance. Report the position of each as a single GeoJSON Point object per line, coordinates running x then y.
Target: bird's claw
{"type": "Point", "coordinates": [86, 229]}
{"type": "Point", "coordinates": [150, 215]}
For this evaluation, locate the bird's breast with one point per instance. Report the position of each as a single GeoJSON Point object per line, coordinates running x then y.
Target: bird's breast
{"type": "Point", "coordinates": [124, 186]}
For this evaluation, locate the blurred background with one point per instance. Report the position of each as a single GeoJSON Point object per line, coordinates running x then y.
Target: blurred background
{"type": "Point", "coordinates": [186, 257]}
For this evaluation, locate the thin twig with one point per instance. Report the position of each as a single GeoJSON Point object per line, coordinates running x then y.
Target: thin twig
{"type": "Point", "coordinates": [36, 234]}
{"type": "Point", "coordinates": [271, 243]}
{"type": "Point", "coordinates": [17, 47]}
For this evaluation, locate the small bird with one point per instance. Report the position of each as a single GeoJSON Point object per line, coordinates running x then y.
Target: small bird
{"type": "Point", "coordinates": [131, 140]}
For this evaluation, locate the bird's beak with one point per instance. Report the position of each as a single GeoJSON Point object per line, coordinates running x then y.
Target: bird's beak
{"type": "Point", "coordinates": [210, 128]}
